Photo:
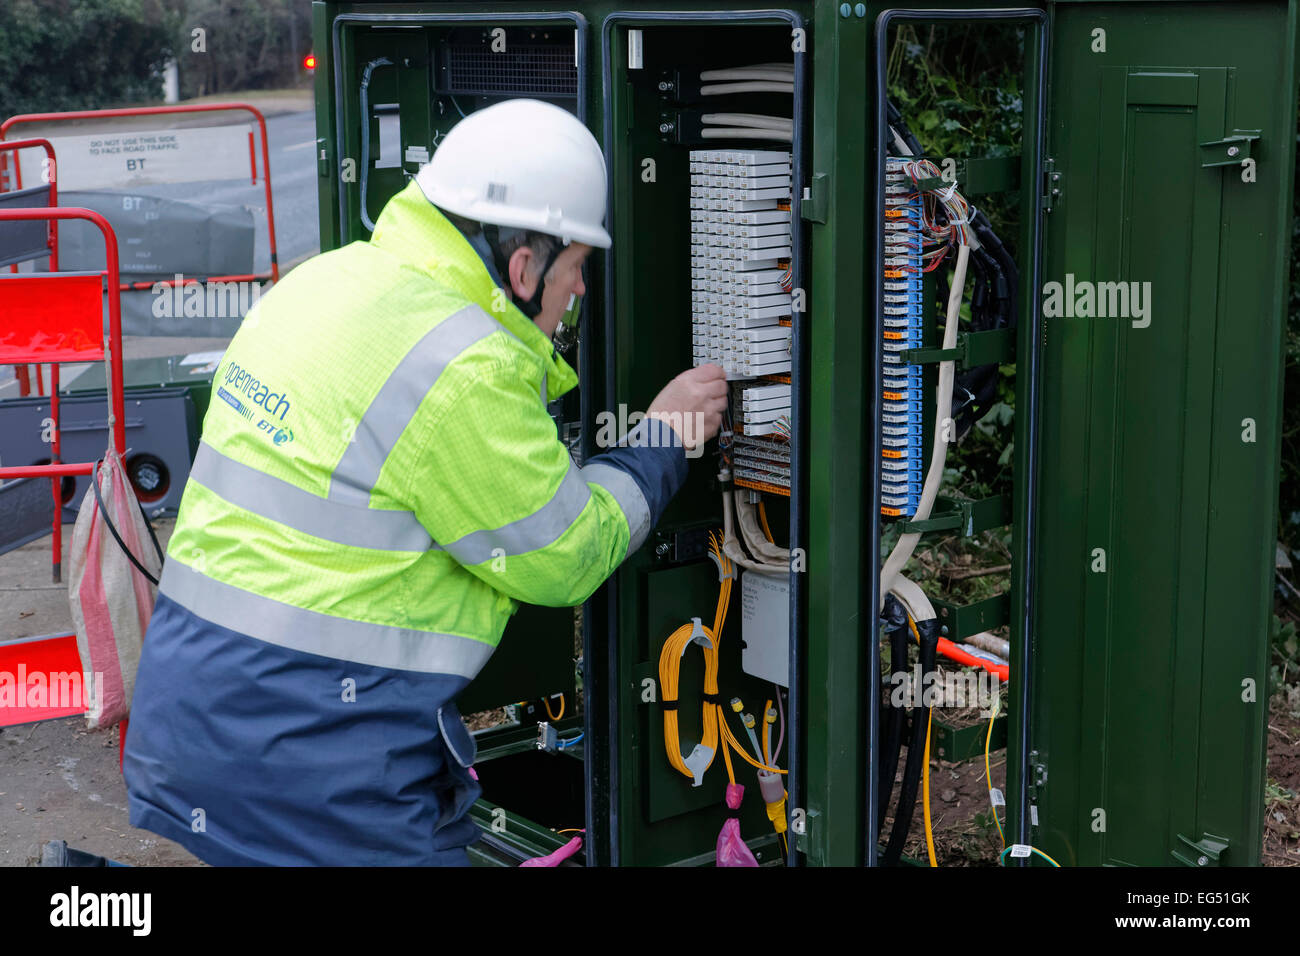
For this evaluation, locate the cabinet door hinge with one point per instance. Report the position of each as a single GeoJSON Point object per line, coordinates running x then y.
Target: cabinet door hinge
{"type": "Point", "coordinates": [1051, 184]}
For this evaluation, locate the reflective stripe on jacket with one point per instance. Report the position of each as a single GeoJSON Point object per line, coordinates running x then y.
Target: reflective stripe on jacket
{"type": "Point", "coordinates": [377, 486]}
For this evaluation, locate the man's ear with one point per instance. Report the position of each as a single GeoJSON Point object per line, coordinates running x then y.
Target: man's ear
{"type": "Point", "coordinates": [522, 268]}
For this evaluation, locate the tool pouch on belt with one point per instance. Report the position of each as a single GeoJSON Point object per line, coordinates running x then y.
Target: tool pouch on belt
{"type": "Point", "coordinates": [455, 788]}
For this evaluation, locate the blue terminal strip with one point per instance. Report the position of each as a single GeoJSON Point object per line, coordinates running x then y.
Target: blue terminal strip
{"type": "Point", "coordinates": [902, 457]}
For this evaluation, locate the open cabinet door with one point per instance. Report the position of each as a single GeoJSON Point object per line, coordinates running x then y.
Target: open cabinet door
{"type": "Point", "coordinates": [1171, 131]}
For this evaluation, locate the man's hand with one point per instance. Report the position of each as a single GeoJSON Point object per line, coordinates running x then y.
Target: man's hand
{"type": "Point", "coordinates": [692, 404]}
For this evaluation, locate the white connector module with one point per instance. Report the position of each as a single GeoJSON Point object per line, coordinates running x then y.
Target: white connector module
{"type": "Point", "coordinates": [740, 251]}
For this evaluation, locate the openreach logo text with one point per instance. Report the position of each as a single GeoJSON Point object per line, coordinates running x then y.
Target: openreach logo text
{"type": "Point", "coordinates": [61, 689]}
{"type": "Point", "coordinates": [75, 908]}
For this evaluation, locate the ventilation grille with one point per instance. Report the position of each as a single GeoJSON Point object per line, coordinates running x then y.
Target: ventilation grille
{"type": "Point", "coordinates": [533, 69]}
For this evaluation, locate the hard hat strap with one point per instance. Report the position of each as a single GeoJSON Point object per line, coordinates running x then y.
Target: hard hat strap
{"type": "Point", "coordinates": [492, 233]}
{"type": "Point", "coordinates": [533, 306]}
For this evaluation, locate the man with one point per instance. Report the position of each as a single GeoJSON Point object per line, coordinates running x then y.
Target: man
{"type": "Point", "coordinates": [378, 485]}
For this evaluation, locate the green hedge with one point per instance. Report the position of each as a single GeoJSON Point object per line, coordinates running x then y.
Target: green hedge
{"type": "Point", "coordinates": [82, 54]}
{"type": "Point", "coordinates": [91, 54]}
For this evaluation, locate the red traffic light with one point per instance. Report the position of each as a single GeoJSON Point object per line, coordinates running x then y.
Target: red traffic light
{"type": "Point", "coordinates": [309, 61]}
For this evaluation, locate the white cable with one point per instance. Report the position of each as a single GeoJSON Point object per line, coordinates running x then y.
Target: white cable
{"type": "Point", "coordinates": [997, 646]}
{"type": "Point", "coordinates": [731, 547]}
{"type": "Point", "coordinates": [737, 132]}
{"type": "Point", "coordinates": [752, 533]}
{"type": "Point", "coordinates": [748, 73]}
{"type": "Point", "coordinates": [939, 450]}
{"type": "Point", "coordinates": [748, 119]}
{"type": "Point", "coordinates": [912, 598]}
{"type": "Point", "coordinates": [758, 86]}
{"type": "Point", "coordinates": [900, 144]}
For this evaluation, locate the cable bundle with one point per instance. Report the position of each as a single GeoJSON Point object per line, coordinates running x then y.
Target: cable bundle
{"type": "Point", "coordinates": [993, 296]}
{"type": "Point", "coordinates": [953, 228]}
{"type": "Point", "coordinates": [758, 78]}
{"type": "Point", "coordinates": [670, 658]}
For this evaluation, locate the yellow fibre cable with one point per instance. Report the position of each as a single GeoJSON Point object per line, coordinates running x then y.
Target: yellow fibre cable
{"type": "Point", "coordinates": [669, 672]}
{"type": "Point", "coordinates": [925, 772]}
{"type": "Point", "coordinates": [726, 756]}
{"type": "Point", "coordinates": [736, 745]}
{"type": "Point", "coordinates": [762, 520]}
{"type": "Point", "coordinates": [546, 702]}
{"type": "Point", "coordinates": [988, 779]}
{"type": "Point", "coordinates": [925, 767]}
{"type": "Point", "coordinates": [670, 667]}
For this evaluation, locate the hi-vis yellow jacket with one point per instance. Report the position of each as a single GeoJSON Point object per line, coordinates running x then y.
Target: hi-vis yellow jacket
{"type": "Point", "coordinates": [378, 484]}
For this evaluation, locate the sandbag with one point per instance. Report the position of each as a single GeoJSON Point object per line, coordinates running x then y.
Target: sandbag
{"type": "Point", "coordinates": [112, 598]}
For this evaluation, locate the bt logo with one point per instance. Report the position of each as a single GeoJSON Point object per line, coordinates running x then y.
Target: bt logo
{"type": "Point", "coordinates": [279, 436]}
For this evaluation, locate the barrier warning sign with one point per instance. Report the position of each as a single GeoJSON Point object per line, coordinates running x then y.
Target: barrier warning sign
{"type": "Point", "coordinates": [112, 160]}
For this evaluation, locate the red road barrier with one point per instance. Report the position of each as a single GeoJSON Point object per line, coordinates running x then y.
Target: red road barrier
{"type": "Point", "coordinates": [30, 700]}
{"type": "Point", "coordinates": [58, 317]}
{"type": "Point", "coordinates": [24, 382]}
{"type": "Point", "coordinates": [156, 110]}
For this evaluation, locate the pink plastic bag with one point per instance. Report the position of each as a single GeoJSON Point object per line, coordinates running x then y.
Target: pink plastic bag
{"type": "Point", "coordinates": [732, 850]}
{"type": "Point", "coordinates": [558, 856]}
{"type": "Point", "coordinates": [111, 600]}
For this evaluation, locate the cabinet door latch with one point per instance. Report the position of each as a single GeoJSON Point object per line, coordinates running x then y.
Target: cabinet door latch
{"type": "Point", "coordinates": [1231, 150]}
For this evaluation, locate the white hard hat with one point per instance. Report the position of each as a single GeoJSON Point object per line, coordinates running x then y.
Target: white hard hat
{"type": "Point", "coordinates": [522, 163]}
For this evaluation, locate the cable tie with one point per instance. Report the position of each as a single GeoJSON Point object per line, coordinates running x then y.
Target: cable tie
{"type": "Point", "coordinates": [946, 194]}
{"type": "Point", "coordinates": [669, 704]}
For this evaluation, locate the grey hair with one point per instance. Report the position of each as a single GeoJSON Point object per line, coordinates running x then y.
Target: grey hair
{"type": "Point", "coordinates": [511, 239]}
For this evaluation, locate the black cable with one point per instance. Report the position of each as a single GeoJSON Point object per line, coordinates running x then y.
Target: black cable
{"type": "Point", "coordinates": [900, 127]}
{"type": "Point", "coordinates": [929, 631]}
{"type": "Point", "coordinates": [1289, 590]}
{"type": "Point", "coordinates": [980, 307]}
{"type": "Point", "coordinates": [895, 625]}
{"type": "Point", "coordinates": [108, 522]}
{"type": "Point", "coordinates": [977, 387]}
{"type": "Point", "coordinates": [1010, 271]}
{"type": "Point", "coordinates": [970, 386]}
{"type": "Point", "coordinates": [365, 136]}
